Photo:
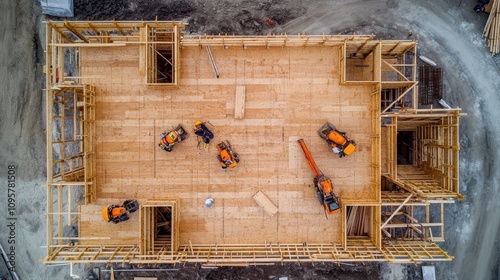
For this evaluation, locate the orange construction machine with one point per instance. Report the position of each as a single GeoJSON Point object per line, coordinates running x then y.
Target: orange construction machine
{"type": "Point", "coordinates": [337, 140]}
{"type": "Point", "coordinates": [227, 157]}
{"type": "Point", "coordinates": [168, 139]}
{"type": "Point", "coordinates": [119, 213]}
{"type": "Point", "coordinates": [322, 184]}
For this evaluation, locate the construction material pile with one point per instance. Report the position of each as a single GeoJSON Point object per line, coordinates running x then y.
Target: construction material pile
{"type": "Point", "coordinates": [492, 28]}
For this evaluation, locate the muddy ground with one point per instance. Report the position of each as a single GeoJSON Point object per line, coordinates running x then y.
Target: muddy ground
{"type": "Point", "coordinates": [448, 32]}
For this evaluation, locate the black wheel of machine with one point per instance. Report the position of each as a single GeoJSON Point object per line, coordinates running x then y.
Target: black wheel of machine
{"type": "Point", "coordinates": [131, 205]}
{"type": "Point", "coordinates": [124, 218]}
{"type": "Point", "coordinates": [320, 198]}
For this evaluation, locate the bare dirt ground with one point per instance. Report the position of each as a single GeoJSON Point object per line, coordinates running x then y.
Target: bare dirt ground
{"type": "Point", "coordinates": [22, 138]}
{"type": "Point", "coordinates": [448, 32]}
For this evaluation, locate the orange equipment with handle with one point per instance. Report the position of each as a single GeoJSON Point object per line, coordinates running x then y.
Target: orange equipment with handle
{"type": "Point", "coordinates": [119, 213]}
{"type": "Point", "coordinates": [168, 139]}
{"type": "Point", "coordinates": [337, 140]}
{"type": "Point", "coordinates": [227, 157]}
{"type": "Point", "coordinates": [322, 184]}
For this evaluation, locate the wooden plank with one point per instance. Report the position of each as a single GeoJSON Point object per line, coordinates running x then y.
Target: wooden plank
{"type": "Point", "coordinates": [265, 203]}
{"type": "Point", "coordinates": [239, 105]}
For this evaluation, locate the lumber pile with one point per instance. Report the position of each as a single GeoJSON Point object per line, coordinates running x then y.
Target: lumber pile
{"type": "Point", "coordinates": [358, 221]}
{"type": "Point", "coordinates": [492, 28]}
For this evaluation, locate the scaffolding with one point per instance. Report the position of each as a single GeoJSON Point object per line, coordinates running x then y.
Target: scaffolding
{"type": "Point", "coordinates": [394, 223]}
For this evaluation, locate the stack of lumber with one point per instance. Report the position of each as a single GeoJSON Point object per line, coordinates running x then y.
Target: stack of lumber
{"type": "Point", "coordinates": [492, 28]}
{"type": "Point", "coordinates": [358, 221]}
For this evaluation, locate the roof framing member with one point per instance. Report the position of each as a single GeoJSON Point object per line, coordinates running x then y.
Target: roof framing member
{"type": "Point", "coordinates": [75, 32]}
{"type": "Point", "coordinates": [56, 28]}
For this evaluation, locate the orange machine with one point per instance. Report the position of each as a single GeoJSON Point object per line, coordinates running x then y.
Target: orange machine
{"type": "Point", "coordinates": [322, 184]}
{"type": "Point", "coordinates": [337, 140]}
{"type": "Point", "coordinates": [168, 139]}
{"type": "Point", "coordinates": [227, 157]}
{"type": "Point", "coordinates": [119, 213]}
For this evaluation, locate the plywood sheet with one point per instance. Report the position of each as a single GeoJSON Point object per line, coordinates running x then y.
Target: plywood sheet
{"type": "Point", "coordinates": [265, 203]}
{"type": "Point", "coordinates": [290, 93]}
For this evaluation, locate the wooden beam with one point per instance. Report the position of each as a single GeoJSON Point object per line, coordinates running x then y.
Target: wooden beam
{"type": "Point", "coordinates": [115, 23]}
{"type": "Point", "coordinates": [396, 211]}
{"type": "Point", "coordinates": [399, 98]}
{"type": "Point", "coordinates": [60, 32]}
{"type": "Point", "coordinates": [363, 44]}
{"type": "Point", "coordinates": [395, 46]}
{"type": "Point", "coordinates": [74, 31]}
{"type": "Point", "coordinates": [397, 71]}
{"type": "Point", "coordinates": [90, 45]}
{"type": "Point", "coordinates": [96, 32]}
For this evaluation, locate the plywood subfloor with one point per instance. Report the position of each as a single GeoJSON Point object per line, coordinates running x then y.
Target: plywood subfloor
{"type": "Point", "coordinates": [290, 93]}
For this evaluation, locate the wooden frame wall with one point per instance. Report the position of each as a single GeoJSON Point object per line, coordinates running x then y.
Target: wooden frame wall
{"type": "Point", "coordinates": [271, 40]}
{"type": "Point", "coordinates": [148, 246]}
{"type": "Point", "coordinates": [374, 222]}
{"type": "Point", "coordinates": [104, 33]}
{"type": "Point", "coordinates": [74, 35]}
{"type": "Point", "coordinates": [408, 218]}
{"type": "Point", "coordinates": [160, 38]}
{"type": "Point", "coordinates": [361, 250]}
{"type": "Point", "coordinates": [435, 171]}
{"type": "Point", "coordinates": [70, 161]}
{"type": "Point", "coordinates": [385, 56]}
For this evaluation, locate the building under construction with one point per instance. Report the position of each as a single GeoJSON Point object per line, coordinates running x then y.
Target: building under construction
{"type": "Point", "coordinates": [113, 87]}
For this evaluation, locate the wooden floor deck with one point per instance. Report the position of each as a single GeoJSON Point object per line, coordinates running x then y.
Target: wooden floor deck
{"type": "Point", "coordinates": [290, 93]}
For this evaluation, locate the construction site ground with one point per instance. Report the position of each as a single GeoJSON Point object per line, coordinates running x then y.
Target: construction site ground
{"type": "Point", "coordinates": [449, 33]}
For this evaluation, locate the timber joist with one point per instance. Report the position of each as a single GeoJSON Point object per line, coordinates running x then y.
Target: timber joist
{"type": "Point", "coordinates": [220, 255]}
{"type": "Point", "coordinates": [270, 40]}
{"type": "Point", "coordinates": [86, 33]}
{"type": "Point", "coordinates": [416, 251]}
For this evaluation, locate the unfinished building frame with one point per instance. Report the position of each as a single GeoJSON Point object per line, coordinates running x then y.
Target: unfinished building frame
{"type": "Point", "coordinates": [414, 160]}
